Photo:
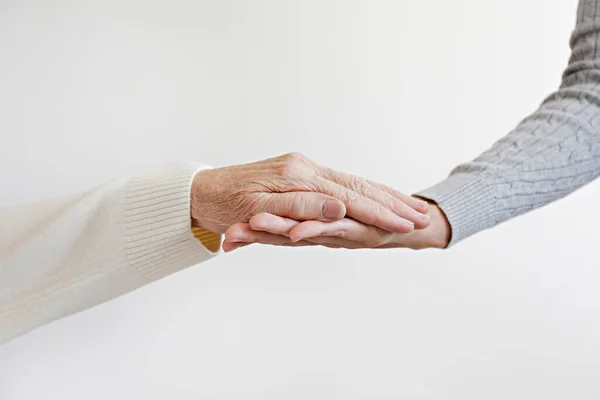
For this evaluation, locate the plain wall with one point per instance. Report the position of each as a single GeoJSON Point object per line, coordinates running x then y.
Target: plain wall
{"type": "Point", "coordinates": [396, 91]}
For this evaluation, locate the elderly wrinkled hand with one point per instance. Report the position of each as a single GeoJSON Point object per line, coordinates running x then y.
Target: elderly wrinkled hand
{"type": "Point", "coordinates": [294, 187]}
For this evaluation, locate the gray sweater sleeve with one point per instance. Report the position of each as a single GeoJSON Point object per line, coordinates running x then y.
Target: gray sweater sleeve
{"type": "Point", "coordinates": [551, 153]}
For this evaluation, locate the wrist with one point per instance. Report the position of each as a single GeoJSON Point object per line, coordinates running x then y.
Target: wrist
{"type": "Point", "coordinates": [200, 200]}
{"type": "Point", "coordinates": [435, 236]}
{"type": "Point", "coordinates": [201, 228]}
{"type": "Point", "coordinates": [439, 229]}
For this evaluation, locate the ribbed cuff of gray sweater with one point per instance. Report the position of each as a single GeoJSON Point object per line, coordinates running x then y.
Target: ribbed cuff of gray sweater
{"type": "Point", "coordinates": [469, 202]}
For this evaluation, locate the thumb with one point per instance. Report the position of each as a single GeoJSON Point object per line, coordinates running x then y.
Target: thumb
{"type": "Point", "coordinates": [303, 206]}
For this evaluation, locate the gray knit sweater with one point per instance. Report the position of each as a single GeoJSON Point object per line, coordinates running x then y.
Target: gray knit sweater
{"type": "Point", "coordinates": [553, 152]}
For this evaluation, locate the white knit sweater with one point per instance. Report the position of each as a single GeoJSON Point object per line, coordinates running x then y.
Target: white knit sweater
{"type": "Point", "coordinates": [62, 256]}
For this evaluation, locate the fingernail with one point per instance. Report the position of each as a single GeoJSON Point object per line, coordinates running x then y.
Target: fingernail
{"type": "Point", "coordinates": [426, 217]}
{"type": "Point", "coordinates": [333, 209]}
{"type": "Point", "coordinates": [424, 204]}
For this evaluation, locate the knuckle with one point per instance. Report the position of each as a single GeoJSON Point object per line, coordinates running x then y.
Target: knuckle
{"type": "Point", "coordinates": [289, 169]}
{"type": "Point", "coordinates": [236, 232]}
{"type": "Point", "coordinates": [351, 197]}
{"type": "Point", "coordinates": [296, 164]}
{"type": "Point", "coordinates": [378, 212]}
{"type": "Point", "coordinates": [297, 171]}
{"type": "Point", "coordinates": [250, 237]}
{"type": "Point", "coordinates": [358, 184]}
{"type": "Point", "coordinates": [294, 156]}
{"type": "Point", "coordinates": [342, 233]}
{"type": "Point", "coordinates": [298, 204]}
{"type": "Point", "coordinates": [400, 209]}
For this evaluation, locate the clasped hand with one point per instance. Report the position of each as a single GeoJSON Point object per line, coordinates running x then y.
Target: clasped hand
{"type": "Point", "coordinates": [292, 201]}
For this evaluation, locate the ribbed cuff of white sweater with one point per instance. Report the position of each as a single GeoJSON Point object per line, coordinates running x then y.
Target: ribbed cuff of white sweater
{"type": "Point", "coordinates": [69, 254]}
{"type": "Point", "coordinates": [158, 232]}
{"type": "Point", "coordinates": [467, 200]}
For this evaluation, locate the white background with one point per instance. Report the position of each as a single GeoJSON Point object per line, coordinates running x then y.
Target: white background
{"type": "Point", "coordinates": [396, 91]}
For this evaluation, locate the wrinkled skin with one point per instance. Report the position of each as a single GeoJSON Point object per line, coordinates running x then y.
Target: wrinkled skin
{"type": "Point", "coordinates": [294, 187]}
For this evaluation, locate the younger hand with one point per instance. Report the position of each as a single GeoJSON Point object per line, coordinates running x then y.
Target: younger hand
{"type": "Point", "coordinates": [346, 233]}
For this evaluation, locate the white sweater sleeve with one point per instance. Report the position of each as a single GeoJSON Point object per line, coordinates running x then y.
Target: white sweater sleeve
{"type": "Point", "coordinates": [62, 256]}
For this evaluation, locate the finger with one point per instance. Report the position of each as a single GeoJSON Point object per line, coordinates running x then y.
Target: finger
{"type": "Point", "coordinates": [272, 223]}
{"type": "Point", "coordinates": [383, 197]}
{"type": "Point", "coordinates": [231, 246]}
{"type": "Point", "coordinates": [335, 243]}
{"type": "Point", "coordinates": [415, 203]}
{"type": "Point", "coordinates": [303, 206]}
{"type": "Point", "coordinates": [365, 210]}
{"type": "Point", "coordinates": [367, 235]}
{"type": "Point", "coordinates": [412, 209]}
{"type": "Point", "coordinates": [242, 233]}
{"type": "Point", "coordinates": [347, 229]}
{"type": "Point", "coordinates": [363, 235]}
{"type": "Point", "coordinates": [340, 243]}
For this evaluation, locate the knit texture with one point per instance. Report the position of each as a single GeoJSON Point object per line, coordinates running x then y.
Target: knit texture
{"type": "Point", "coordinates": [550, 154]}
{"type": "Point", "coordinates": [61, 256]}
{"type": "Point", "coordinates": [158, 233]}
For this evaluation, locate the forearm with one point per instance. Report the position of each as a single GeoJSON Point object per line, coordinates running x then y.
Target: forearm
{"type": "Point", "coordinates": [63, 256]}
{"type": "Point", "coordinates": [553, 152]}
